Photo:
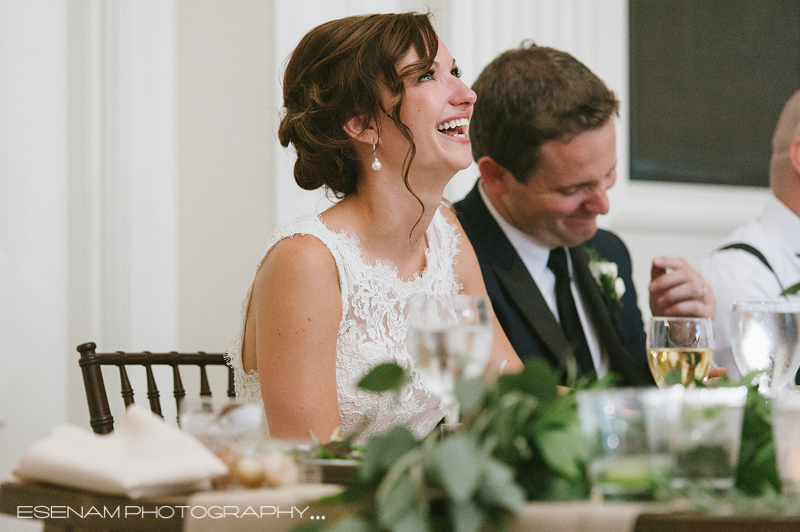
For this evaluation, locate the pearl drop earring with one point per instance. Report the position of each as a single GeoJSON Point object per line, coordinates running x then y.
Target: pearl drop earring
{"type": "Point", "coordinates": [376, 164]}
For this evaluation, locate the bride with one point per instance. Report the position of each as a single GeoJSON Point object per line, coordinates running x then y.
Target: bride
{"type": "Point", "coordinates": [376, 112]}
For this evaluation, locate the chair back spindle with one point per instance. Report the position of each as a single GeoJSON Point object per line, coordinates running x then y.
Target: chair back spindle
{"type": "Point", "coordinates": [205, 389]}
{"type": "Point", "coordinates": [152, 389]}
{"type": "Point", "coordinates": [125, 384]}
{"type": "Point", "coordinates": [177, 384]}
{"type": "Point", "coordinates": [91, 363]}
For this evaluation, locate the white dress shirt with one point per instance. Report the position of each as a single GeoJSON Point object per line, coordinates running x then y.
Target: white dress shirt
{"type": "Point", "coordinates": [737, 275]}
{"type": "Point", "coordinates": [534, 256]}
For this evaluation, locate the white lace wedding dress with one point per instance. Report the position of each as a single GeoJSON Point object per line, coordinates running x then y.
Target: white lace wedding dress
{"type": "Point", "coordinates": [373, 328]}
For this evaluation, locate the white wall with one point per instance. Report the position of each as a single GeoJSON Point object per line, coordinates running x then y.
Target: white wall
{"type": "Point", "coordinates": [33, 208]}
{"type": "Point", "coordinates": [140, 173]}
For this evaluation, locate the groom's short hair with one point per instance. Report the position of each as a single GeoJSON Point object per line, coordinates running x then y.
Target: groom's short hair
{"type": "Point", "coordinates": [530, 95]}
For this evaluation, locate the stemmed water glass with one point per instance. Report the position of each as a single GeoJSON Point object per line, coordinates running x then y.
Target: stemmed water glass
{"type": "Point", "coordinates": [765, 336]}
{"type": "Point", "coordinates": [450, 338]}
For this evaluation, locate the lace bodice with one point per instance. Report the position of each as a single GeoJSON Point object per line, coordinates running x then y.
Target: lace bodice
{"type": "Point", "coordinates": [373, 327]}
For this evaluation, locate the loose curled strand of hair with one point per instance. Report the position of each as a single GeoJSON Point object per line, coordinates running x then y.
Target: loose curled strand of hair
{"type": "Point", "coordinates": [413, 70]}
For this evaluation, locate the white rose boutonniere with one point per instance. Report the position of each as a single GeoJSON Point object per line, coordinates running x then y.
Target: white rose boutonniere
{"type": "Point", "coordinates": [606, 275]}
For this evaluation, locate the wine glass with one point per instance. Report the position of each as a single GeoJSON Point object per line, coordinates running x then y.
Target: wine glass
{"type": "Point", "coordinates": [450, 338]}
{"type": "Point", "coordinates": [765, 336]}
{"type": "Point", "coordinates": [680, 350]}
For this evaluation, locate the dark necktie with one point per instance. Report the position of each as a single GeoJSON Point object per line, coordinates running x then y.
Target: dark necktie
{"type": "Point", "coordinates": [568, 313]}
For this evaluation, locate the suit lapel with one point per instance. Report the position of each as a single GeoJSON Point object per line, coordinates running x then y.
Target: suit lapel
{"type": "Point", "coordinates": [513, 278]}
{"type": "Point", "coordinates": [592, 297]}
{"type": "Point", "coordinates": [608, 329]}
{"type": "Point", "coordinates": [520, 288]}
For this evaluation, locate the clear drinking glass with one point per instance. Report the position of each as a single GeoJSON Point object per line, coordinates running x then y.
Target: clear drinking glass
{"type": "Point", "coordinates": [765, 335]}
{"type": "Point", "coordinates": [450, 338]}
{"type": "Point", "coordinates": [680, 350]}
{"type": "Point", "coordinates": [628, 430]}
{"type": "Point", "coordinates": [706, 439]}
{"type": "Point", "coordinates": [228, 425]}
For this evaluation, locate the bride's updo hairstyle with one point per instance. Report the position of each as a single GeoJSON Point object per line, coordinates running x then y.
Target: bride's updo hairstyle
{"type": "Point", "coordinates": [336, 74]}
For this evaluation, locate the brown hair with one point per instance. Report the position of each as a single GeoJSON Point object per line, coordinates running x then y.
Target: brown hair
{"type": "Point", "coordinates": [531, 95]}
{"type": "Point", "coordinates": [335, 74]}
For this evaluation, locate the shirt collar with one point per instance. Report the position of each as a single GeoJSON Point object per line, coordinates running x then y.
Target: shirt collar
{"type": "Point", "coordinates": [782, 222]}
{"type": "Point", "coordinates": [533, 253]}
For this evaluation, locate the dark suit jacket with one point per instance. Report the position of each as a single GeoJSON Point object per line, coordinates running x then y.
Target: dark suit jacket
{"type": "Point", "coordinates": [526, 318]}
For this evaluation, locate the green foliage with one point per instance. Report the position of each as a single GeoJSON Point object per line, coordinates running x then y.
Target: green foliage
{"type": "Point", "coordinates": [436, 484]}
{"type": "Point", "coordinates": [674, 376]}
{"type": "Point", "coordinates": [520, 439]}
{"type": "Point", "coordinates": [593, 255]}
{"type": "Point", "coordinates": [756, 472]}
{"type": "Point", "coordinates": [792, 290]}
{"type": "Point", "coordinates": [525, 423]}
{"type": "Point", "coordinates": [384, 378]}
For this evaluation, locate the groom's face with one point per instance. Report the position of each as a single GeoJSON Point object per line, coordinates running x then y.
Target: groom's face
{"type": "Point", "coordinates": [559, 204]}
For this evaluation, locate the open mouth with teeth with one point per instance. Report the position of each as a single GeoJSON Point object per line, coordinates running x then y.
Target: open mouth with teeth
{"type": "Point", "coordinates": [454, 128]}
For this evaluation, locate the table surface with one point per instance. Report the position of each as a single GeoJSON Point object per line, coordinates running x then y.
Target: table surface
{"type": "Point", "coordinates": [61, 508]}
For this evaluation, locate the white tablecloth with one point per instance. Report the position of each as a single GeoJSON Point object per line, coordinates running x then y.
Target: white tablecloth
{"type": "Point", "coordinates": [278, 510]}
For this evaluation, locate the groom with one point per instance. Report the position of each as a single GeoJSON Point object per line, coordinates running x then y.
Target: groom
{"type": "Point", "coordinates": [544, 139]}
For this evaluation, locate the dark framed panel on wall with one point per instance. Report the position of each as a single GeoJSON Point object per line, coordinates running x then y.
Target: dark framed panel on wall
{"type": "Point", "coordinates": [708, 79]}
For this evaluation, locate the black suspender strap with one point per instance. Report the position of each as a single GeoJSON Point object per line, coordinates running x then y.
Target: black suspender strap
{"type": "Point", "coordinates": [757, 254]}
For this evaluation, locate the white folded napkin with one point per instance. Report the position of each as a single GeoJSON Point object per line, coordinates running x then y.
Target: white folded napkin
{"type": "Point", "coordinates": [143, 457]}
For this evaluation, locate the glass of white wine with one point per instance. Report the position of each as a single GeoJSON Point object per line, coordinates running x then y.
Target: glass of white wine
{"type": "Point", "coordinates": [680, 350]}
{"type": "Point", "coordinates": [765, 336]}
{"type": "Point", "coordinates": [450, 338]}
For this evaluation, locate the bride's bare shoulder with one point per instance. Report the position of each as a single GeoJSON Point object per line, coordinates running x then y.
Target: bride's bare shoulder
{"type": "Point", "coordinates": [298, 261]}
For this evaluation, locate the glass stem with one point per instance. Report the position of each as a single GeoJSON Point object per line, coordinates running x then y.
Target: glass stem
{"type": "Point", "coordinates": [452, 412]}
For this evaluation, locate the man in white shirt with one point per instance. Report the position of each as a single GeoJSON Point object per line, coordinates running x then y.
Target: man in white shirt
{"type": "Point", "coordinates": [544, 138]}
{"type": "Point", "coordinates": [764, 261]}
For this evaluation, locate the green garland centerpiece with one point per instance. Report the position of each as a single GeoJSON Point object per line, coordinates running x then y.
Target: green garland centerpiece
{"type": "Point", "coordinates": [519, 440]}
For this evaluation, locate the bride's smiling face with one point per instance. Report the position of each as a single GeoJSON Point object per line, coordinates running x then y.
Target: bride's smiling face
{"type": "Point", "coordinates": [436, 108]}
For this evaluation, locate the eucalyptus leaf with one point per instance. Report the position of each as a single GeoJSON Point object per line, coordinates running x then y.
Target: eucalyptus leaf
{"type": "Point", "coordinates": [756, 472]}
{"type": "Point", "coordinates": [792, 290]}
{"type": "Point", "coordinates": [383, 378]}
{"type": "Point", "coordinates": [561, 489]}
{"type": "Point", "coordinates": [591, 382]}
{"type": "Point", "coordinates": [564, 450]}
{"type": "Point", "coordinates": [400, 499]}
{"type": "Point", "coordinates": [383, 450]}
{"type": "Point", "coordinates": [458, 465]}
{"type": "Point", "coordinates": [470, 394]}
{"type": "Point", "coordinates": [557, 413]}
{"type": "Point", "coordinates": [499, 489]}
{"type": "Point", "coordinates": [416, 519]}
{"type": "Point", "coordinates": [466, 516]}
{"type": "Point", "coordinates": [537, 378]}
{"type": "Point", "coordinates": [672, 377]}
